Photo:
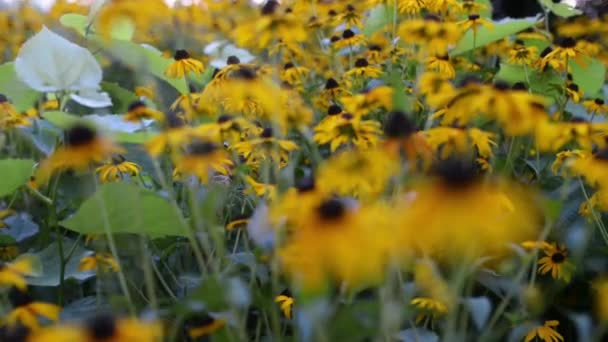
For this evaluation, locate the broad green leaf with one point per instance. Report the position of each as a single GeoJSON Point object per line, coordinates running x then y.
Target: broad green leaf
{"type": "Point", "coordinates": [560, 9]}
{"type": "Point", "coordinates": [121, 97]}
{"type": "Point", "coordinates": [61, 119]}
{"type": "Point", "coordinates": [75, 21]}
{"type": "Point", "coordinates": [22, 96]}
{"type": "Point", "coordinates": [133, 138]}
{"type": "Point", "coordinates": [49, 258]}
{"type": "Point", "coordinates": [127, 208]}
{"type": "Point", "coordinates": [15, 173]}
{"type": "Point", "coordinates": [378, 18]}
{"type": "Point", "coordinates": [540, 82]}
{"type": "Point", "coordinates": [142, 59]}
{"type": "Point", "coordinates": [486, 36]}
{"type": "Point", "coordinates": [590, 78]}
{"type": "Point", "coordinates": [123, 28]}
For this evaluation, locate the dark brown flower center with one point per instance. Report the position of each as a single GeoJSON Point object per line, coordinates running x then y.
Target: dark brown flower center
{"type": "Point", "coordinates": [398, 125]}
{"type": "Point", "coordinates": [361, 63]}
{"type": "Point", "coordinates": [599, 102]}
{"type": "Point", "coordinates": [79, 135]}
{"type": "Point", "coordinates": [233, 60]}
{"type": "Point", "coordinates": [331, 84]}
{"type": "Point", "coordinates": [332, 209]}
{"type": "Point", "coordinates": [567, 42]}
{"type": "Point", "coordinates": [101, 327]}
{"type": "Point", "coordinates": [348, 34]}
{"type": "Point", "coordinates": [558, 257]}
{"type": "Point", "coordinates": [19, 298]}
{"type": "Point", "coordinates": [202, 148]}
{"type": "Point", "coordinates": [136, 105]}
{"type": "Point", "coordinates": [181, 54]}
{"type": "Point", "coordinates": [267, 133]}
{"type": "Point", "coordinates": [334, 110]}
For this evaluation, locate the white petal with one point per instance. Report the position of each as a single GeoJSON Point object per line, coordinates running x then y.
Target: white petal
{"type": "Point", "coordinates": [92, 99]}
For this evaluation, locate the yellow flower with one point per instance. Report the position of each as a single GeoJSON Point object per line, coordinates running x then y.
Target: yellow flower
{"type": "Point", "coordinates": [596, 106]}
{"type": "Point", "coordinates": [363, 69]}
{"type": "Point", "coordinates": [556, 262]}
{"type": "Point", "coordinates": [207, 326]}
{"type": "Point", "coordinates": [102, 327]}
{"type": "Point", "coordinates": [442, 65]}
{"type": "Point", "coordinates": [202, 158]}
{"type": "Point", "coordinates": [433, 35]}
{"type": "Point", "coordinates": [117, 169]}
{"type": "Point", "coordinates": [348, 129]}
{"type": "Point", "coordinates": [411, 7]}
{"type": "Point", "coordinates": [521, 54]}
{"type": "Point", "coordinates": [174, 136]}
{"type": "Point", "coordinates": [566, 49]}
{"type": "Point", "coordinates": [361, 173]}
{"type": "Point", "coordinates": [402, 136]}
{"type": "Point", "coordinates": [26, 311]}
{"type": "Point", "coordinates": [464, 216]}
{"type": "Point", "coordinates": [327, 246]}
{"type": "Point", "coordinates": [13, 273]}
{"type": "Point", "coordinates": [294, 75]}
{"type": "Point", "coordinates": [265, 147]}
{"type": "Point", "coordinates": [349, 39]}
{"type": "Point", "coordinates": [601, 298]}
{"type": "Point", "coordinates": [82, 148]}
{"type": "Point", "coordinates": [139, 111]}
{"type": "Point", "coordinates": [285, 302]}
{"type": "Point", "coordinates": [429, 306]}
{"type": "Point", "coordinates": [545, 333]}
{"type": "Point", "coordinates": [146, 92]}
{"type": "Point", "coordinates": [99, 261]}
{"type": "Point", "coordinates": [268, 191]}
{"type": "Point", "coordinates": [574, 92]}
{"type": "Point", "coordinates": [474, 22]}
{"type": "Point", "coordinates": [183, 65]}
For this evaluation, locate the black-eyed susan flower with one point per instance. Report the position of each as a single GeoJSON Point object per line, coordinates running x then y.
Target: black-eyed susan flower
{"type": "Point", "coordinates": [367, 102]}
{"type": "Point", "coordinates": [349, 39]}
{"type": "Point", "coordinates": [596, 106]}
{"type": "Point", "coordinates": [103, 262]}
{"type": "Point", "coordinates": [362, 68]}
{"type": "Point", "coordinates": [262, 190]}
{"type": "Point", "coordinates": [348, 129]}
{"type": "Point", "coordinates": [600, 287]}
{"type": "Point", "coordinates": [286, 302]}
{"type": "Point", "coordinates": [327, 246]}
{"type": "Point", "coordinates": [555, 260]}
{"type": "Point", "coordinates": [201, 159]}
{"type": "Point", "coordinates": [521, 54]}
{"type": "Point", "coordinates": [474, 22]}
{"type": "Point", "coordinates": [428, 308]}
{"type": "Point", "coordinates": [14, 273]}
{"type": "Point", "coordinates": [265, 147]}
{"type": "Point", "coordinates": [465, 216]}
{"type": "Point", "coordinates": [183, 65]}
{"type": "Point", "coordinates": [448, 141]}
{"type": "Point", "coordinates": [174, 135]}
{"type": "Point", "coordinates": [411, 7]}
{"type": "Point", "coordinates": [139, 111]}
{"type": "Point", "coordinates": [442, 65]}
{"type": "Point", "coordinates": [574, 92]}
{"type": "Point", "coordinates": [402, 136]}
{"type": "Point", "coordinates": [26, 311]}
{"type": "Point", "coordinates": [350, 16]}
{"type": "Point", "coordinates": [293, 74]}
{"type": "Point", "coordinates": [360, 173]}
{"type": "Point", "coordinates": [472, 7]}
{"type": "Point", "coordinates": [118, 168]}
{"type": "Point", "coordinates": [431, 34]}
{"type": "Point", "coordinates": [205, 327]}
{"type": "Point", "coordinates": [544, 61]}
{"type": "Point", "coordinates": [82, 147]}
{"type": "Point", "coordinates": [147, 92]}
{"type": "Point", "coordinates": [566, 50]}
{"type": "Point", "coordinates": [546, 332]}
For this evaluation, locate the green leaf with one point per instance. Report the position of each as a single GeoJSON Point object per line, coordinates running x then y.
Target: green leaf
{"type": "Point", "coordinates": [561, 10]}
{"type": "Point", "coordinates": [590, 78]}
{"type": "Point", "coordinates": [61, 119]}
{"type": "Point", "coordinates": [127, 208]}
{"type": "Point", "coordinates": [50, 275]}
{"type": "Point", "coordinates": [121, 97]}
{"type": "Point", "coordinates": [133, 138]}
{"type": "Point", "coordinates": [77, 22]}
{"type": "Point", "coordinates": [22, 96]}
{"type": "Point", "coordinates": [123, 28]}
{"type": "Point", "coordinates": [379, 17]}
{"type": "Point", "coordinates": [15, 173]}
{"type": "Point", "coordinates": [486, 36]}
{"type": "Point", "coordinates": [142, 59]}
